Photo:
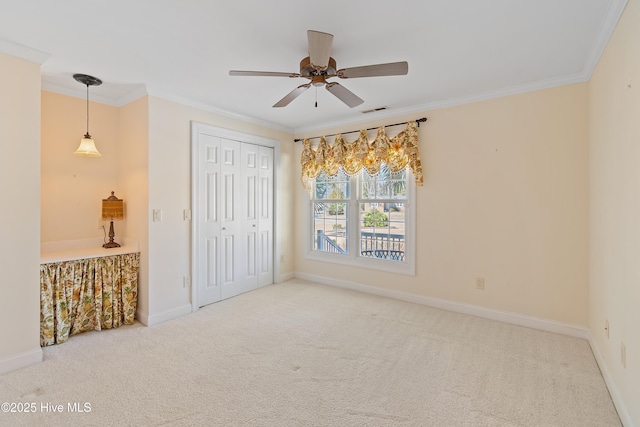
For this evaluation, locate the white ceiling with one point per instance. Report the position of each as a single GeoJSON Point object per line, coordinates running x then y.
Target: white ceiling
{"type": "Point", "coordinates": [458, 50]}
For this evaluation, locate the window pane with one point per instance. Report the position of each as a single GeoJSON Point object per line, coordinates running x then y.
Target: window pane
{"type": "Point", "coordinates": [330, 223]}
{"type": "Point", "coordinates": [398, 184]}
{"type": "Point", "coordinates": [382, 231]}
{"type": "Point", "coordinates": [384, 185]}
{"type": "Point", "coordinates": [332, 187]}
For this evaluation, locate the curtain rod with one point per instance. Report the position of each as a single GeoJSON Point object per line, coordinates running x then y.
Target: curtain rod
{"type": "Point", "coordinates": [418, 121]}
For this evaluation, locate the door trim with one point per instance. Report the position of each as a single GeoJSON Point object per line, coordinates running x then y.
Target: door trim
{"type": "Point", "coordinates": [198, 129]}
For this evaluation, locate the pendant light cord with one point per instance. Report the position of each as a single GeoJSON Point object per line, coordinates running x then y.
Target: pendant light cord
{"type": "Point", "coordinates": [87, 109]}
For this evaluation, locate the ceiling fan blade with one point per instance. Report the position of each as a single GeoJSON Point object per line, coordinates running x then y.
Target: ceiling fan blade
{"type": "Point", "coordinates": [344, 94]}
{"type": "Point", "coordinates": [319, 48]}
{"type": "Point", "coordinates": [262, 73]}
{"type": "Point", "coordinates": [390, 69]}
{"type": "Point", "coordinates": [292, 95]}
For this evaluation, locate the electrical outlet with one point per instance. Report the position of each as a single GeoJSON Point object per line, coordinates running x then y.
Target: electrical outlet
{"type": "Point", "coordinates": [623, 355]}
{"type": "Point", "coordinates": [186, 215]}
{"type": "Point", "coordinates": [186, 281]}
{"type": "Point", "coordinates": [606, 328]}
{"type": "Point", "coordinates": [157, 215]}
{"type": "Point", "coordinates": [479, 282]}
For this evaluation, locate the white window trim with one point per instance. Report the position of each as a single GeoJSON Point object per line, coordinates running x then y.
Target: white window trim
{"type": "Point", "coordinates": [407, 267]}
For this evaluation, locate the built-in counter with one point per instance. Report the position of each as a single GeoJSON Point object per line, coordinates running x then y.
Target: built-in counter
{"type": "Point", "coordinates": [84, 287]}
{"type": "Point", "coordinates": [70, 250]}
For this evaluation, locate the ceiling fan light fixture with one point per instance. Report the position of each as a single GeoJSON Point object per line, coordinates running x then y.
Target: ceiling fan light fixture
{"type": "Point", "coordinates": [308, 70]}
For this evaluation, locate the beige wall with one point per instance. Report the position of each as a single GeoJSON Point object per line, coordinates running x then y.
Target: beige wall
{"type": "Point", "coordinates": [19, 212]}
{"type": "Point", "coordinates": [133, 185]}
{"type": "Point", "coordinates": [505, 198]}
{"type": "Point", "coordinates": [73, 187]}
{"type": "Point", "coordinates": [614, 117]}
{"type": "Point", "coordinates": [146, 147]}
{"type": "Point", "coordinates": [170, 191]}
{"type": "Point", "coordinates": [512, 193]}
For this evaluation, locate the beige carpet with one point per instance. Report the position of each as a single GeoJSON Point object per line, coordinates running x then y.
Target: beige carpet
{"type": "Point", "coordinates": [301, 354]}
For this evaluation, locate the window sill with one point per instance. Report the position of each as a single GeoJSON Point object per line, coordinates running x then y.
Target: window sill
{"type": "Point", "coordinates": [396, 267]}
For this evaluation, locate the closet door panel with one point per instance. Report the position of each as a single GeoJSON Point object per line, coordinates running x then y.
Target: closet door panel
{"type": "Point", "coordinates": [265, 215]}
{"type": "Point", "coordinates": [231, 250]}
{"type": "Point", "coordinates": [250, 190]}
{"type": "Point", "coordinates": [207, 278]}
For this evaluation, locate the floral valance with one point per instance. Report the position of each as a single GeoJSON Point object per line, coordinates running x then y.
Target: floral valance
{"type": "Point", "coordinates": [397, 153]}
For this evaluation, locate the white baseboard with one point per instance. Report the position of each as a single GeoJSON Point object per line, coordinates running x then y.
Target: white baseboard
{"type": "Point", "coordinates": [613, 389]}
{"type": "Point", "coordinates": [21, 360]}
{"type": "Point", "coordinates": [502, 316]}
{"type": "Point", "coordinates": [142, 317]}
{"type": "Point", "coordinates": [473, 310]}
{"type": "Point", "coordinates": [174, 313]}
{"type": "Point", "coordinates": [286, 276]}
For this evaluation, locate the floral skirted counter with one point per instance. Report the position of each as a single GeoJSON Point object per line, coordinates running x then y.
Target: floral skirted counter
{"type": "Point", "coordinates": [84, 287]}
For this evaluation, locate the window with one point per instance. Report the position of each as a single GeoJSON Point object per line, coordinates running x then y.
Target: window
{"type": "Point", "coordinates": [365, 220]}
{"type": "Point", "coordinates": [331, 213]}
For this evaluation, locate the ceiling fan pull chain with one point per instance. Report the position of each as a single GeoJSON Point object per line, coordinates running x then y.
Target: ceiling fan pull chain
{"type": "Point", "coordinates": [316, 96]}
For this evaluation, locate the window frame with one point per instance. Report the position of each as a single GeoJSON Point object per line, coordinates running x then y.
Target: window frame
{"type": "Point", "coordinates": [353, 258]}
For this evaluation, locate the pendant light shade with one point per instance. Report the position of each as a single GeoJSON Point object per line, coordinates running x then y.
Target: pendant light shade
{"type": "Point", "coordinates": [87, 146]}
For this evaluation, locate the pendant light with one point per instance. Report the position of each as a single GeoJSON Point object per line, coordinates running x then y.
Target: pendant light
{"type": "Point", "coordinates": [87, 147]}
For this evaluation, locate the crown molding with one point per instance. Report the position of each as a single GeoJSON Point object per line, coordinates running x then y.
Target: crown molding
{"type": "Point", "coordinates": [132, 95]}
{"type": "Point", "coordinates": [24, 52]}
{"type": "Point", "coordinates": [144, 90]}
{"type": "Point", "coordinates": [609, 21]}
{"type": "Point", "coordinates": [451, 102]}
{"type": "Point", "coordinates": [608, 25]}
{"type": "Point", "coordinates": [81, 93]}
{"type": "Point", "coordinates": [217, 110]}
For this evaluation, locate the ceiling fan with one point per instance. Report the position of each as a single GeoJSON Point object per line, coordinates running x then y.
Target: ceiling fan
{"type": "Point", "coordinates": [320, 66]}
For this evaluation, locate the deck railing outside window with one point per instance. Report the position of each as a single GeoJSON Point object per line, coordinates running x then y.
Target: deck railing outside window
{"type": "Point", "coordinates": [373, 245]}
{"type": "Point", "coordinates": [382, 245]}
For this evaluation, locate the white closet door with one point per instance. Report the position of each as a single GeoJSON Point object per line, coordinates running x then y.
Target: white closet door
{"type": "Point", "coordinates": [265, 216]}
{"type": "Point", "coordinates": [230, 219]}
{"type": "Point", "coordinates": [208, 248]}
{"type": "Point", "coordinates": [233, 238]}
{"type": "Point", "coordinates": [249, 216]}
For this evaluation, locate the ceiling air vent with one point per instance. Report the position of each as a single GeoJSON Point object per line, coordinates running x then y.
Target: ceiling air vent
{"type": "Point", "coordinates": [375, 109]}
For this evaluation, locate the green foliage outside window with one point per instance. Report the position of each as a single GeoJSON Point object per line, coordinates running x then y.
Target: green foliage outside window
{"type": "Point", "coordinates": [375, 218]}
{"type": "Point", "coordinates": [336, 208]}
